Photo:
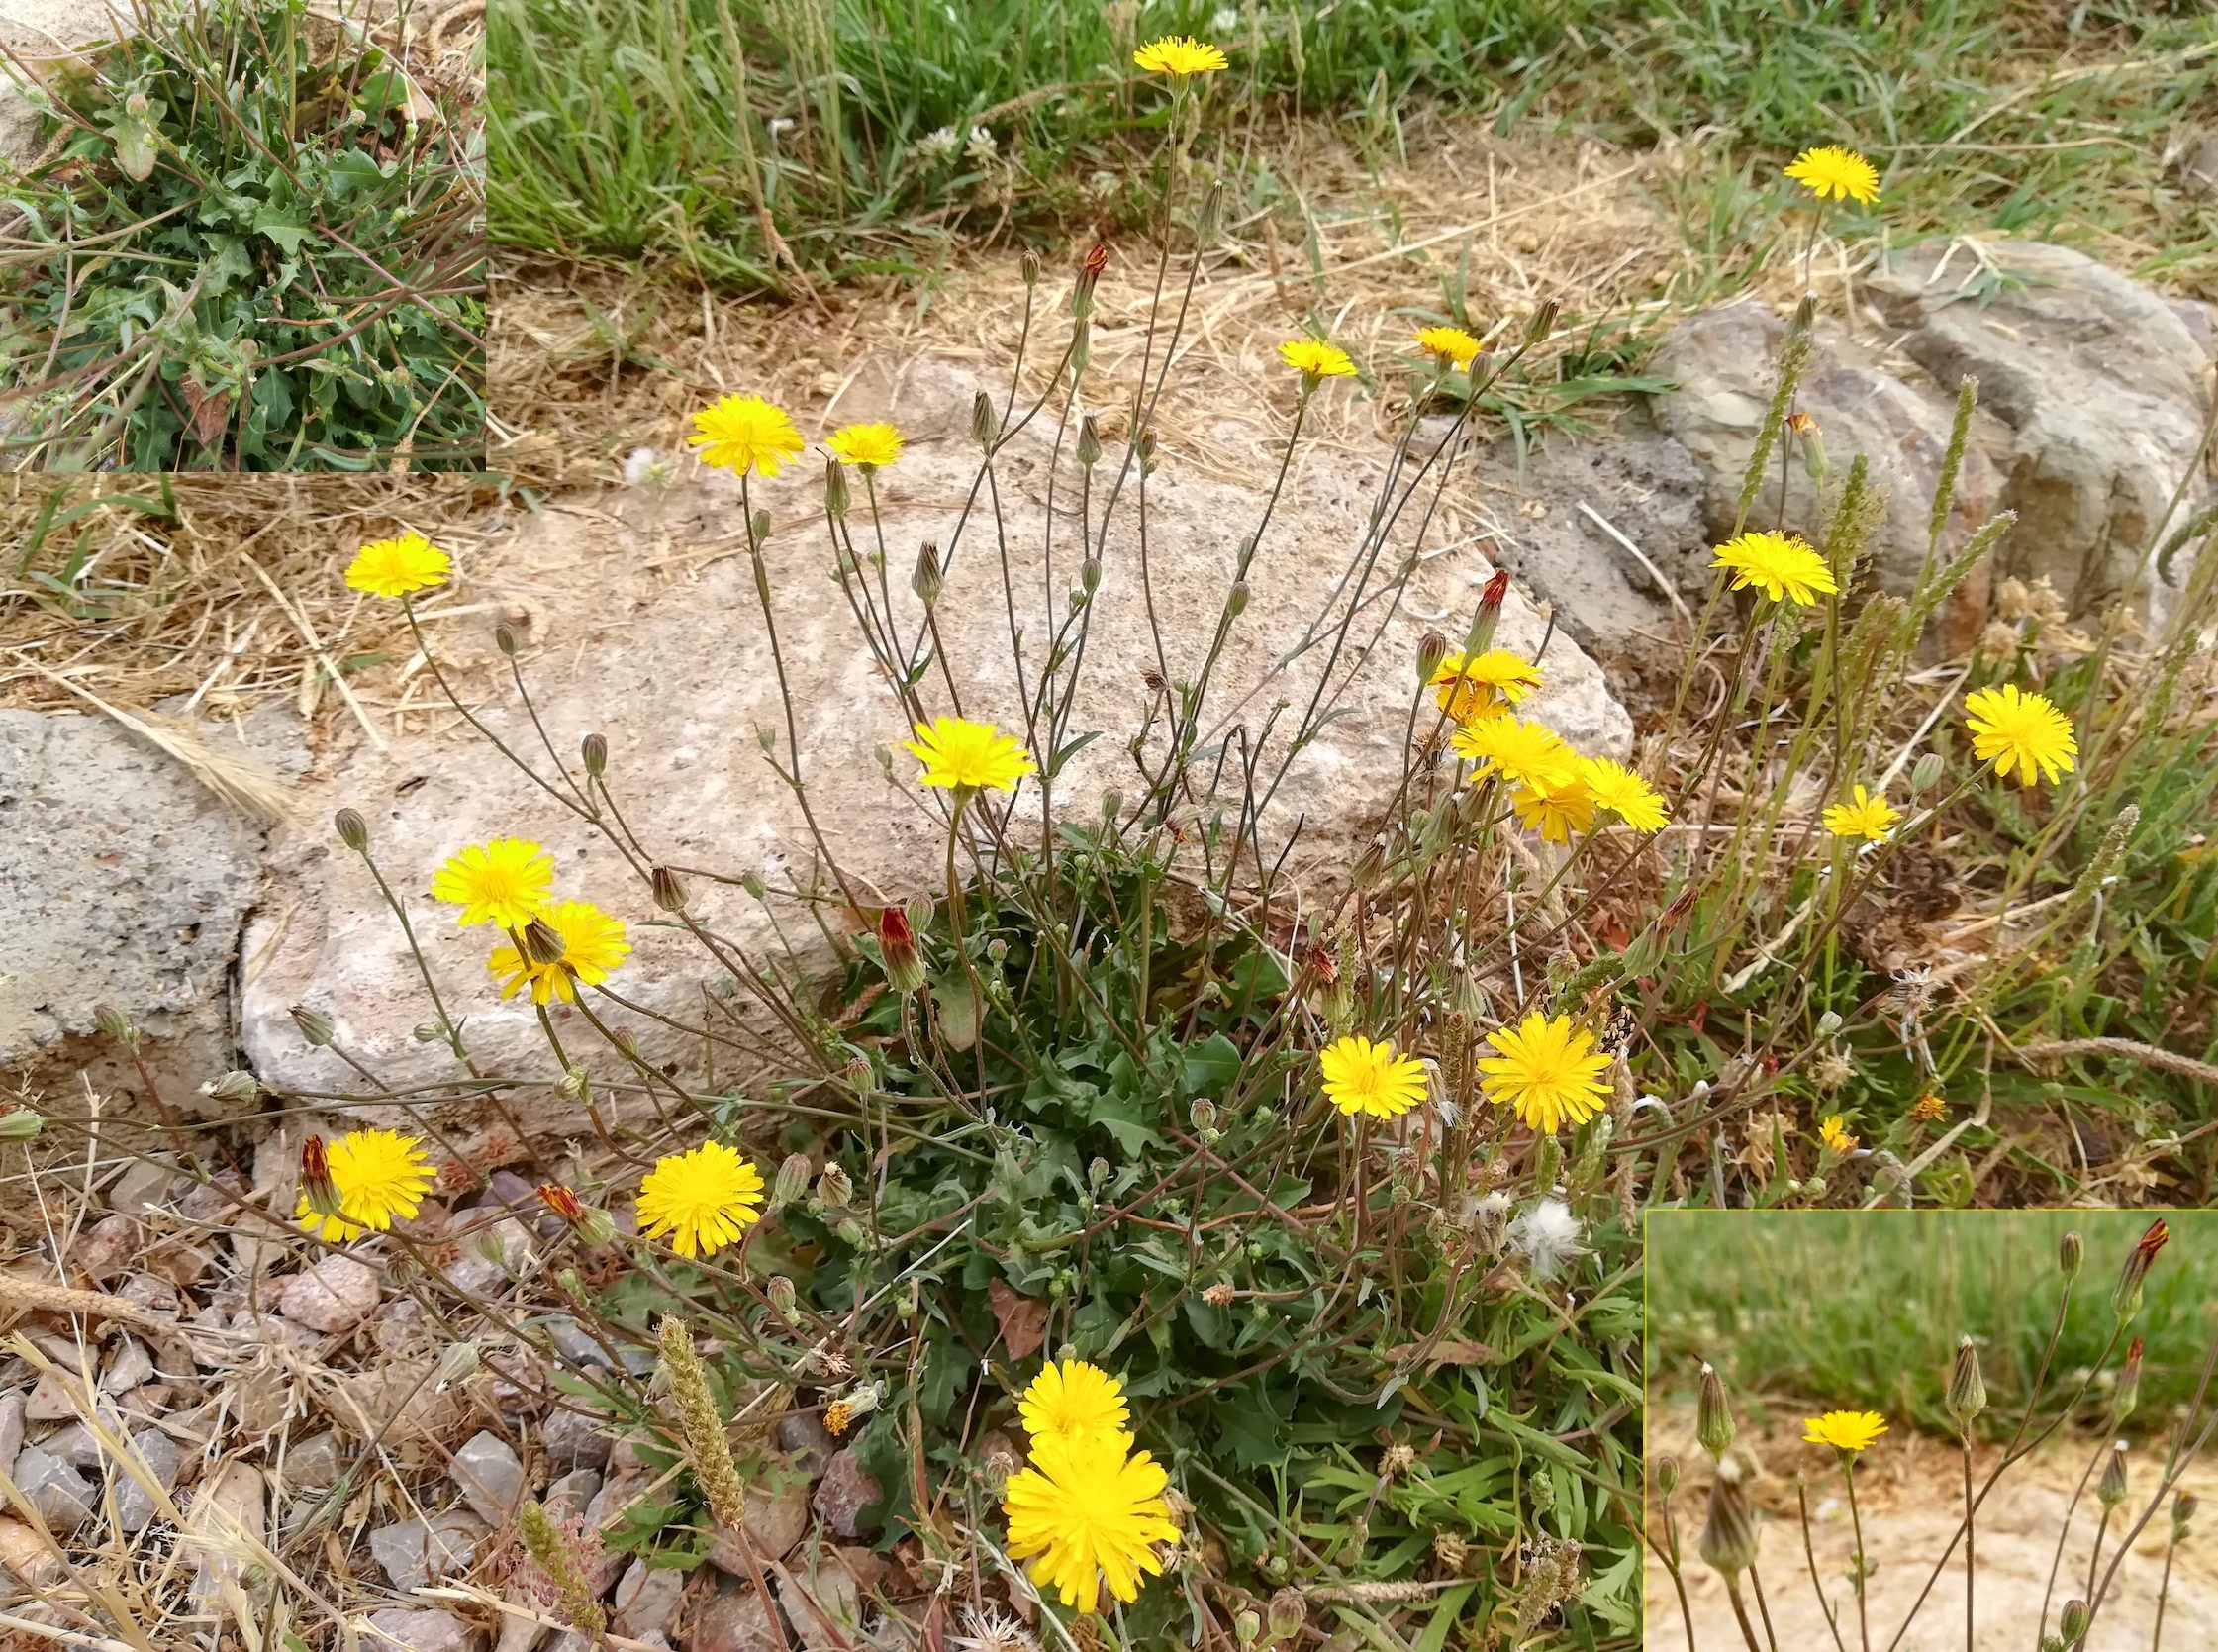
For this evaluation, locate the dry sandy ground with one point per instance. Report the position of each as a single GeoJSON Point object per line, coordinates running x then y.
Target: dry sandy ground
{"type": "Point", "coordinates": [1910, 1495]}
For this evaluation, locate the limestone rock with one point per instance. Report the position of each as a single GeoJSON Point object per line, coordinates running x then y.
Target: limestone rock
{"type": "Point", "coordinates": [845, 1491]}
{"type": "Point", "coordinates": [63, 1498]}
{"type": "Point", "coordinates": [574, 1438]}
{"type": "Point", "coordinates": [158, 1455]}
{"type": "Point", "coordinates": [736, 1620]}
{"type": "Point", "coordinates": [315, 1463]}
{"type": "Point", "coordinates": [227, 1506]}
{"type": "Point", "coordinates": [490, 1475]}
{"type": "Point", "coordinates": [336, 1294]}
{"type": "Point", "coordinates": [683, 679]}
{"type": "Point", "coordinates": [10, 1429]}
{"type": "Point", "coordinates": [401, 1630]}
{"type": "Point", "coordinates": [413, 1552]}
{"type": "Point", "coordinates": [823, 1604]}
{"type": "Point", "coordinates": [646, 1599]}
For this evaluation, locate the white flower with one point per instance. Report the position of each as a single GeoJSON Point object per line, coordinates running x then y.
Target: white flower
{"type": "Point", "coordinates": [939, 145]}
{"type": "Point", "coordinates": [981, 146]}
{"type": "Point", "coordinates": [992, 1631]}
{"type": "Point", "coordinates": [1547, 1235]}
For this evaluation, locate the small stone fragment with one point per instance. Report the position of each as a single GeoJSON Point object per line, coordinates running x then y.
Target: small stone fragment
{"type": "Point", "coordinates": [573, 1493]}
{"type": "Point", "coordinates": [398, 1629]}
{"type": "Point", "coordinates": [333, 1296]}
{"type": "Point", "coordinates": [50, 1399]}
{"type": "Point", "coordinates": [315, 1463]}
{"type": "Point", "coordinates": [158, 1455]}
{"type": "Point", "coordinates": [573, 1438]}
{"type": "Point", "coordinates": [824, 1606]}
{"type": "Point", "coordinates": [144, 1182]}
{"type": "Point", "coordinates": [844, 1493]}
{"type": "Point", "coordinates": [734, 1620]}
{"type": "Point", "coordinates": [152, 1292]}
{"type": "Point", "coordinates": [127, 1367]}
{"type": "Point", "coordinates": [775, 1522]}
{"type": "Point", "coordinates": [413, 1552]}
{"type": "Point", "coordinates": [24, 1554]}
{"type": "Point", "coordinates": [646, 1599]}
{"type": "Point", "coordinates": [105, 1248]}
{"type": "Point", "coordinates": [802, 1435]}
{"type": "Point", "coordinates": [10, 1429]}
{"type": "Point", "coordinates": [63, 1498]}
{"type": "Point", "coordinates": [489, 1476]}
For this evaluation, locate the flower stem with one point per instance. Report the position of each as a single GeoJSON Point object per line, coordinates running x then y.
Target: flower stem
{"type": "Point", "coordinates": [1855, 1520]}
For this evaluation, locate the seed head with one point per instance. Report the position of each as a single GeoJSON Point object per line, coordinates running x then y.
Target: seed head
{"type": "Point", "coordinates": [1288, 1611]}
{"type": "Point", "coordinates": [542, 943]}
{"type": "Point", "coordinates": [1729, 1534]}
{"type": "Point", "coordinates": [984, 425]}
{"type": "Point", "coordinates": [706, 1442]}
{"type": "Point", "coordinates": [1088, 441]}
{"type": "Point", "coordinates": [833, 1187]}
{"type": "Point", "coordinates": [117, 1026]}
{"type": "Point", "coordinates": [838, 497]}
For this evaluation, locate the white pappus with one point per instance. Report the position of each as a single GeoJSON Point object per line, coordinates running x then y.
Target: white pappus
{"type": "Point", "coordinates": [1547, 1236]}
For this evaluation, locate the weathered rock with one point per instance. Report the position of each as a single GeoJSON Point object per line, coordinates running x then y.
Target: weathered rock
{"type": "Point", "coordinates": [574, 1343]}
{"type": "Point", "coordinates": [144, 1182]}
{"type": "Point", "coordinates": [152, 1292]}
{"type": "Point", "coordinates": [574, 1438]}
{"type": "Point", "coordinates": [74, 1445]}
{"type": "Point", "coordinates": [50, 1399]}
{"type": "Point", "coordinates": [681, 687]}
{"type": "Point", "coordinates": [47, 34]}
{"type": "Point", "coordinates": [224, 1518]}
{"type": "Point", "coordinates": [491, 1255]}
{"type": "Point", "coordinates": [125, 882]}
{"type": "Point", "coordinates": [823, 1604]}
{"type": "Point", "coordinates": [336, 1294]}
{"type": "Point", "coordinates": [413, 1552]}
{"type": "Point", "coordinates": [491, 1477]}
{"type": "Point", "coordinates": [316, 1462]}
{"type": "Point", "coordinates": [521, 1635]}
{"type": "Point", "coordinates": [845, 1491]}
{"type": "Point", "coordinates": [104, 1249]}
{"type": "Point", "coordinates": [63, 1498]}
{"type": "Point", "coordinates": [646, 1599]}
{"type": "Point", "coordinates": [10, 1429]}
{"type": "Point", "coordinates": [24, 1554]}
{"type": "Point", "coordinates": [158, 1455]}
{"type": "Point", "coordinates": [127, 1367]}
{"type": "Point", "coordinates": [398, 1629]}
{"type": "Point", "coordinates": [736, 1619]}
{"type": "Point", "coordinates": [573, 1493]}
{"type": "Point", "coordinates": [803, 1434]}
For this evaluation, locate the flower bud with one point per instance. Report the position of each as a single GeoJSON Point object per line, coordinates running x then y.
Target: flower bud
{"type": "Point", "coordinates": [862, 1077]}
{"type": "Point", "coordinates": [1088, 441]}
{"type": "Point", "coordinates": [1113, 803]}
{"type": "Point", "coordinates": [1968, 1389]}
{"type": "Point", "coordinates": [837, 497]}
{"type": "Point", "coordinates": [1729, 1534]}
{"type": "Point", "coordinates": [927, 579]}
{"type": "Point", "coordinates": [314, 1025]}
{"type": "Point", "coordinates": [1925, 773]}
{"type": "Point", "coordinates": [1144, 446]}
{"type": "Point", "coordinates": [2184, 1507]}
{"type": "Point", "coordinates": [428, 1032]}
{"type": "Point", "coordinates": [779, 1289]}
{"type": "Point", "coordinates": [897, 950]}
{"type": "Point", "coordinates": [2072, 1251]}
{"type": "Point", "coordinates": [116, 1025]}
{"type": "Point", "coordinates": [766, 736]}
{"type": "Point", "coordinates": [1543, 321]}
{"type": "Point", "coordinates": [2128, 1391]}
{"type": "Point", "coordinates": [1667, 1474]}
{"type": "Point", "coordinates": [2072, 1626]}
{"type": "Point", "coordinates": [758, 530]}
{"type": "Point", "coordinates": [1247, 1627]}
{"type": "Point", "coordinates": [1029, 268]}
{"type": "Point", "coordinates": [1481, 637]}
{"type": "Point", "coordinates": [21, 1126]}
{"type": "Point", "coordinates": [542, 943]}
{"type": "Point", "coordinates": [504, 639]}
{"type": "Point", "coordinates": [576, 1083]}
{"type": "Point", "coordinates": [2125, 1296]}
{"type": "Point", "coordinates": [1236, 599]}
{"type": "Point", "coordinates": [233, 1090]}
{"type": "Point", "coordinates": [316, 1184]}
{"type": "Point", "coordinates": [669, 889]}
{"type": "Point", "coordinates": [1829, 1024]}
{"type": "Point", "coordinates": [1089, 574]}
{"type": "Point", "coordinates": [2111, 1488]}
{"type": "Point", "coordinates": [1289, 1611]}
{"type": "Point", "coordinates": [984, 424]}
{"type": "Point", "coordinates": [352, 829]}
{"type": "Point", "coordinates": [1370, 866]}
{"type": "Point", "coordinates": [1211, 213]}
{"type": "Point", "coordinates": [1203, 1114]}
{"type": "Point", "coordinates": [1432, 649]}
{"type": "Point", "coordinates": [1097, 1173]}
{"type": "Point", "coordinates": [792, 1182]}
{"type": "Point", "coordinates": [833, 1187]}
{"type": "Point", "coordinates": [918, 909]}
{"type": "Point", "coordinates": [1714, 1414]}
{"type": "Point", "coordinates": [593, 752]}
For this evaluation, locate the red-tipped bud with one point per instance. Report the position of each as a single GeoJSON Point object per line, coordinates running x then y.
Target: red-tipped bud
{"type": "Point", "coordinates": [896, 947]}
{"type": "Point", "coordinates": [1481, 634]}
{"type": "Point", "coordinates": [562, 1201]}
{"type": "Point", "coordinates": [2129, 1382]}
{"type": "Point", "coordinates": [316, 1184]}
{"type": "Point", "coordinates": [2125, 1300]}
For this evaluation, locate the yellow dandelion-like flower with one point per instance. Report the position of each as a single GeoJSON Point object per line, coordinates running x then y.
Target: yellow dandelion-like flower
{"type": "Point", "coordinates": [1482, 684]}
{"type": "Point", "coordinates": [1522, 753]}
{"type": "Point", "coordinates": [1834, 172]}
{"type": "Point", "coordinates": [740, 434]}
{"type": "Point", "coordinates": [593, 944]}
{"type": "Point", "coordinates": [1555, 812]}
{"type": "Point", "coordinates": [700, 1200]}
{"type": "Point", "coordinates": [1362, 1077]}
{"type": "Point", "coordinates": [503, 882]}
{"type": "Point", "coordinates": [1179, 55]}
{"type": "Point", "coordinates": [2025, 732]}
{"type": "Point", "coordinates": [380, 1175]}
{"type": "Point", "coordinates": [1929, 1108]}
{"type": "Point", "coordinates": [1074, 1400]}
{"type": "Point", "coordinates": [869, 445]}
{"type": "Point", "coordinates": [1624, 793]}
{"type": "Point", "coordinates": [1086, 1512]}
{"type": "Point", "coordinates": [1834, 1133]}
{"type": "Point", "coordinates": [1548, 1071]}
{"type": "Point", "coordinates": [1863, 816]}
{"type": "Point", "coordinates": [1451, 343]}
{"type": "Point", "coordinates": [974, 755]}
{"type": "Point", "coordinates": [1847, 1432]}
{"type": "Point", "coordinates": [1784, 567]}
{"type": "Point", "coordinates": [1314, 359]}
{"type": "Point", "coordinates": [395, 568]}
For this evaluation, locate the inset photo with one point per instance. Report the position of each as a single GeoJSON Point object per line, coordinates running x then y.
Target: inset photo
{"type": "Point", "coordinates": [242, 235]}
{"type": "Point", "coordinates": [1901, 1432]}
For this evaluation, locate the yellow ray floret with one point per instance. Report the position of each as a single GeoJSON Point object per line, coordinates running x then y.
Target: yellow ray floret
{"type": "Point", "coordinates": [1555, 812]}
{"type": "Point", "coordinates": [1863, 816]}
{"type": "Point", "coordinates": [1466, 686]}
{"type": "Point", "coordinates": [1548, 1070]}
{"type": "Point", "coordinates": [503, 882]}
{"type": "Point", "coordinates": [1849, 1432]}
{"type": "Point", "coordinates": [702, 1201]}
{"type": "Point", "coordinates": [396, 567]}
{"type": "Point", "coordinates": [1783, 567]}
{"type": "Point", "coordinates": [2017, 730]}
{"type": "Point", "coordinates": [1834, 1133]}
{"type": "Point", "coordinates": [972, 755]}
{"type": "Point", "coordinates": [1313, 359]}
{"type": "Point", "coordinates": [1834, 172]}
{"type": "Point", "coordinates": [742, 433]}
{"type": "Point", "coordinates": [1179, 55]}
{"type": "Point", "coordinates": [1088, 1512]}
{"type": "Point", "coordinates": [869, 445]}
{"type": "Point", "coordinates": [1362, 1077]}
{"type": "Point", "coordinates": [593, 944]}
{"type": "Point", "coordinates": [1074, 1400]}
{"type": "Point", "coordinates": [1624, 793]}
{"type": "Point", "coordinates": [1522, 753]}
{"type": "Point", "coordinates": [1451, 343]}
{"type": "Point", "coordinates": [380, 1175]}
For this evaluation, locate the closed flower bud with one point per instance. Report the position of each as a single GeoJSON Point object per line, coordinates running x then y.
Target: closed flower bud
{"type": "Point", "coordinates": [1097, 1173]}
{"type": "Point", "coordinates": [1113, 803]}
{"type": "Point", "coordinates": [833, 1187]}
{"type": "Point", "coordinates": [233, 1090]}
{"type": "Point", "coordinates": [792, 1180]}
{"type": "Point", "coordinates": [314, 1025]}
{"type": "Point", "coordinates": [669, 889]}
{"type": "Point", "coordinates": [2111, 1488]}
{"type": "Point", "coordinates": [116, 1025]}
{"type": "Point", "coordinates": [2182, 1508]}
{"type": "Point", "coordinates": [766, 736]}
{"type": "Point", "coordinates": [927, 579]}
{"type": "Point", "coordinates": [862, 1077]}
{"type": "Point", "coordinates": [2072, 1251]}
{"type": "Point", "coordinates": [2128, 1391]}
{"type": "Point", "coordinates": [1667, 1474]}
{"type": "Point", "coordinates": [1543, 321]}
{"type": "Point", "coordinates": [1370, 866]}
{"type": "Point", "coordinates": [758, 529]}
{"type": "Point", "coordinates": [1828, 1024]}
{"type": "Point", "coordinates": [2125, 1296]}
{"type": "Point", "coordinates": [1204, 1115]}
{"type": "Point", "coordinates": [918, 911]}
{"type": "Point", "coordinates": [504, 639]}
{"type": "Point", "coordinates": [897, 950]}
{"type": "Point", "coordinates": [1236, 599]}
{"type": "Point", "coordinates": [2074, 1624]}
{"type": "Point", "coordinates": [1288, 1612]}
{"type": "Point", "coordinates": [1968, 1389]}
{"type": "Point", "coordinates": [1925, 773]}
{"type": "Point", "coordinates": [21, 1126]}
{"type": "Point", "coordinates": [1432, 649]}
{"type": "Point", "coordinates": [1247, 1627]}
{"type": "Point", "coordinates": [542, 943]}
{"type": "Point", "coordinates": [779, 1289]}
{"type": "Point", "coordinates": [593, 752]}
{"type": "Point", "coordinates": [1088, 441]}
{"type": "Point", "coordinates": [316, 1184]}
{"type": "Point", "coordinates": [576, 1084]}
{"type": "Point", "coordinates": [1714, 1414]}
{"type": "Point", "coordinates": [352, 829]}
{"type": "Point", "coordinates": [1729, 1534]}
{"type": "Point", "coordinates": [428, 1032]}
{"type": "Point", "coordinates": [984, 426]}
{"type": "Point", "coordinates": [837, 497]}
{"type": "Point", "coordinates": [1144, 446]}
{"type": "Point", "coordinates": [1210, 215]}
{"type": "Point", "coordinates": [1481, 634]}
{"type": "Point", "coordinates": [1029, 267]}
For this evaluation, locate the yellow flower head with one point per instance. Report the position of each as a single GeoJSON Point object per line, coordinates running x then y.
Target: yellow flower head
{"type": "Point", "coordinates": [1482, 684]}
{"type": "Point", "coordinates": [1833, 1132]}
{"type": "Point", "coordinates": [1847, 1432]}
{"type": "Point", "coordinates": [593, 944]}
{"type": "Point", "coordinates": [1864, 816]}
{"type": "Point", "coordinates": [1929, 1108]}
{"type": "Point", "coordinates": [1086, 1511]}
{"type": "Point", "coordinates": [1835, 172]}
{"type": "Point", "coordinates": [1548, 1071]}
{"type": "Point", "coordinates": [1314, 359]}
{"type": "Point", "coordinates": [1451, 343]}
{"type": "Point", "coordinates": [395, 568]}
{"type": "Point", "coordinates": [869, 445]}
{"type": "Point", "coordinates": [1179, 55]}
{"type": "Point", "coordinates": [1362, 1077]}
{"type": "Point", "coordinates": [1624, 793]}
{"type": "Point", "coordinates": [740, 434]}
{"type": "Point", "coordinates": [1555, 812]}
{"type": "Point", "coordinates": [1074, 1400]}
{"type": "Point", "coordinates": [701, 1201]}
{"type": "Point", "coordinates": [2025, 732]}
{"type": "Point", "coordinates": [503, 882]}
{"type": "Point", "coordinates": [974, 755]}
{"type": "Point", "coordinates": [1522, 753]}
{"type": "Point", "coordinates": [1785, 568]}
{"type": "Point", "coordinates": [379, 1175]}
